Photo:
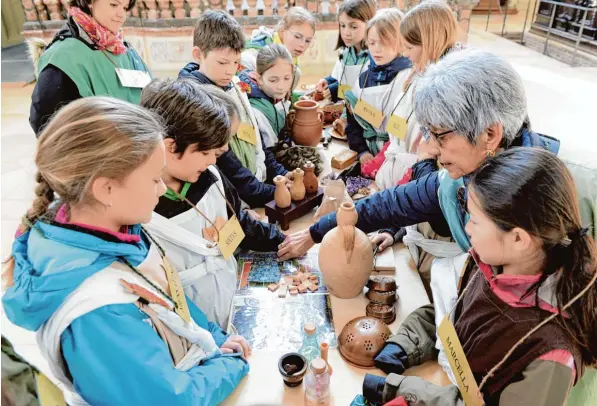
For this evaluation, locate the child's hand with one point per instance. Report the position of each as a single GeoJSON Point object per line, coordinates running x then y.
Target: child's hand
{"type": "Point", "coordinates": [426, 151]}
{"type": "Point", "coordinates": [384, 240]}
{"type": "Point", "coordinates": [321, 86]}
{"type": "Point", "coordinates": [254, 215]}
{"type": "Point", "coordinates": [366, 157]}
{"type": "Point", "coordinates": [236, 344]}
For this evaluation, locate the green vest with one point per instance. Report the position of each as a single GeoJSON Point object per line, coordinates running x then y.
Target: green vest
{"type": "Point", "coordinates": [91, 70]}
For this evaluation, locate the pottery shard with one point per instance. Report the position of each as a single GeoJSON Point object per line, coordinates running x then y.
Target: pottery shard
{"type": "Point", "coordinates": [303, 277]}
{"type": "Point", "coordinates": [283, 291]}
{"type": "Point", "coordinates": [313, 278]}
{"type": "Point", "coordinates": [289, 280]}
{"type": "Point", "coordinates": [296, 281]}
{"type": "Point", "coordinates": [293, 290]}
{"type": "Point", "coordinates": [302, 288]}
{"type": "Point", "coordinates": [313, 288]}
{"type": "Point", "coordinates": [273, 287]}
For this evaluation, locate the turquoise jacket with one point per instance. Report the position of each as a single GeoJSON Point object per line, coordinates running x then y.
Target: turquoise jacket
{"type": "Point", "coordinates": [113, 354]}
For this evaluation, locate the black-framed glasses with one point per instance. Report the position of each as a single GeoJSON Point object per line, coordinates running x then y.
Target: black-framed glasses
{"type": "Point", "coordinates": [427, 133]}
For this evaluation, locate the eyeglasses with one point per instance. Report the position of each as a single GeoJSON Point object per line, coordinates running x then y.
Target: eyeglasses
{"type": "Point", "coordinates": [427, 134]}
{"type": "Point", "coordinates": [301, 37]}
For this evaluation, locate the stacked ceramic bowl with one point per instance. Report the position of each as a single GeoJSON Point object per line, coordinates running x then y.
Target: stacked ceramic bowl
{"type": "Point", "coordinates": [382, 297]}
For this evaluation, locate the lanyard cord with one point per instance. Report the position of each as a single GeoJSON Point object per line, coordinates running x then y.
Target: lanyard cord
{"type": "Point", "coordinates": [183, 198]}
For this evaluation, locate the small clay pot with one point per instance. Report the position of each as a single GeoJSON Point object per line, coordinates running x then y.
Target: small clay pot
{"type": "Point", "coordinates": [385, 313]}
{"type": "Point", "coordinates": [310, 180]}
{"type": "Point", "coordinates": [281, 194]}
{"type": "Point", "coordinates": [306, 123]}
{"type": "Point", "coordinates": [382, 283]}
{"type": "Point", "coordinates": [382, 297]}
{"type": "Point", "coordinates": [297, 190]}
{"type": "Point", "coordinates": [292, 367]}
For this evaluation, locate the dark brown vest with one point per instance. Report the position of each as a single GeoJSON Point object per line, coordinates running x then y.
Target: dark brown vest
{"type": "Point", "coordinates": [488, 328]}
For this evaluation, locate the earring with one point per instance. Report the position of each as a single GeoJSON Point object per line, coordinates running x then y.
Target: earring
{"type": "Point", "coordinates": [490, 153]}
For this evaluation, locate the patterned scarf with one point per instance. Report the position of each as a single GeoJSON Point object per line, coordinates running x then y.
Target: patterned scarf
{"type": "Point", "coordinates": [101, 36]}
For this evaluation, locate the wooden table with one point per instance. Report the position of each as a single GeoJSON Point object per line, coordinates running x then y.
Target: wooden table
{"type": "Point", "coordinates": [264, 385]}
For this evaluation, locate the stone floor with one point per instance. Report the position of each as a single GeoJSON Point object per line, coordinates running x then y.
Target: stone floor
{"type": "Point", "coordinates": [561, 103]}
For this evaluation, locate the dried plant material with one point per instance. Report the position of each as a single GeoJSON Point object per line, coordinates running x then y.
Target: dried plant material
{"type": "Point", "coordinates": [273, 287]}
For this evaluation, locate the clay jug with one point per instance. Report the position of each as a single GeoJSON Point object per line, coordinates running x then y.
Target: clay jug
{"type": "Point", "coordinates": [310, 180]}
{"type": "Point", "coordinates": [281, 194]}
{"type": "Point", "coordinates": [346, 256]}
{"type": "Point", "coordinates": [297, 190]}
{"type": "Point", "coordinates": [306, 123]}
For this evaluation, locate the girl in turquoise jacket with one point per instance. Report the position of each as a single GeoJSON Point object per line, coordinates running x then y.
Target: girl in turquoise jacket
{"type": "Point", "coordinates": [107, 307]}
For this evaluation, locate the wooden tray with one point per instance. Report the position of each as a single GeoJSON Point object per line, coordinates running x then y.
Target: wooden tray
{"type": "Point", "coordinates": [296, 209]}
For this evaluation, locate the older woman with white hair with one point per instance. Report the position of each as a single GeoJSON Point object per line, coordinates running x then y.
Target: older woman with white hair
{"type": "Point", "coordinates": [470, 105]}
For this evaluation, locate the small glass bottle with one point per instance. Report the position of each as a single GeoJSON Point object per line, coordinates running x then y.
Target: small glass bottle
{"type": "Point", "coordinates": [317, 384]}
{"type": "Point", "coordinates": [310, 347]}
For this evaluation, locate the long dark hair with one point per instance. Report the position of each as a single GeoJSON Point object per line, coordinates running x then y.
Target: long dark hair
{"type": "Point", "coordinates": [531, 189]}
{"type": "Point", "coordinates": [362, 10]}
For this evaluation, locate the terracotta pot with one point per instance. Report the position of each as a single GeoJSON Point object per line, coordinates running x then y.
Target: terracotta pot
{"type": "Point", "coordinates": [346, 256]}
{"type": "Point", "coordinates": [306, 123]}
{"type": "Point", "coordinates": [311, 182]}
{"type": "Point", "coordinates": [297, 190]}
{"type": "Point", "coordinates": [282, 194]}
{"type": "Point", "coordinates": [347, 215]}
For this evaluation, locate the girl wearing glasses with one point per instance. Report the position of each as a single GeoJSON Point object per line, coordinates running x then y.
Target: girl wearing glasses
{"type": "Point", "coordinates": [295, 31]}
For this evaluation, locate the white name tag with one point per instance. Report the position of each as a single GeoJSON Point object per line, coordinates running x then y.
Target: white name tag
{"type": "Point", "coordinates": [133, 78]}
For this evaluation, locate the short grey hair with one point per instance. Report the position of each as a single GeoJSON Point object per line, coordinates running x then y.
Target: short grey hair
{"type": "Point", "coordinates": [467, 91]}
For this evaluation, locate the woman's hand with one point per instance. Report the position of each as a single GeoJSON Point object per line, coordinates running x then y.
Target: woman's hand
{"type": "Point", "coordinates": [236, 344]}
{"type": "Point", "coordinates": [426, 151]}
{"type": "Point", "coordinates": [384, 240]}
{"type": "Point", "coordinates": [321, 86]}
{"type": "Point", "coordinates": [295, 245]}
{"type": "Point", "coordinates": [366, 157]}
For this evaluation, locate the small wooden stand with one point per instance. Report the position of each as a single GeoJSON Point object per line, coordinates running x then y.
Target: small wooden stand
{"type": "Point", "coordinates": [296, 209]}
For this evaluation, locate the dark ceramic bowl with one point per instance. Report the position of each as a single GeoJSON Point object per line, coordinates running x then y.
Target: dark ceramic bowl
{"type": "Point", "coordinates": [293, 378]}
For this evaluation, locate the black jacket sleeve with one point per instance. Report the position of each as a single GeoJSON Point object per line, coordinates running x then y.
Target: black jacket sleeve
{"type": "Point", "coordinates": [413, 203]}
{"type": "Point", "coordinates": [53, 90]}
{"type": "Point", "coordinates": [273, 167]}
{"type": "Point", "coordinates": [333, 85]}
{"type": "Point", "coordinates": [258, 236]}
{"type": "Point", "coordinates": [249, 188]}
{"type": "Point", "coordinates": [354, 133]}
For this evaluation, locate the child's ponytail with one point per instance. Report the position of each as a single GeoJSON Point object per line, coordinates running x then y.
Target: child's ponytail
{"type": "Point", "coordinates": [531, 189]}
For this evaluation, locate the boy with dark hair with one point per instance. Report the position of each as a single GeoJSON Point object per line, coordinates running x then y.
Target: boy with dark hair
{"type": "Point", "coordinates": [218, 41]}
{"type": "Point", "coordinates": [199, 121]}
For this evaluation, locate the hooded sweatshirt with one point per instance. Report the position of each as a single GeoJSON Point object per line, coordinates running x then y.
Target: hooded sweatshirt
{"type": "Point", "coordinates": [115, 342]}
